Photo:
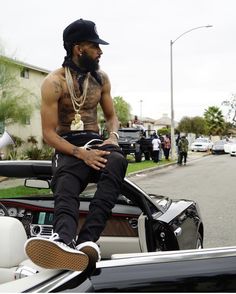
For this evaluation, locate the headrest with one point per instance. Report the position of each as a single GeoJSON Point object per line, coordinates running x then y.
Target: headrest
{"type": "Point", "coordinates": [12, 240]}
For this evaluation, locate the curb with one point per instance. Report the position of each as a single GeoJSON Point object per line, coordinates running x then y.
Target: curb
{"type": "Point", "coordinates": [151, 169]}
{"type": "Point", "coordinates": [3, 179]}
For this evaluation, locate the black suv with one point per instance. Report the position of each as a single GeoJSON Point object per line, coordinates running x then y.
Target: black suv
{"type": "Point", "coordinates": [133, 141]}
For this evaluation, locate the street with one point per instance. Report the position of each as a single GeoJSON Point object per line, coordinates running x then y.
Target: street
{"type": "Point", "coordinates": [210, 181]}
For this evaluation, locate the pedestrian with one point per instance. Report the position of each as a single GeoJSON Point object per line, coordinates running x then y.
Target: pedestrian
{"type": "Point", "coordinates": [166, 146]}
{"type": "Point", "coordinates": [156, 143]}
{"type": "Point", "coordinates": [70, 97]}
{"type": "Point", "coordinates": [183, 150]}
{"type": "Point", "coordinates": [177, 142]}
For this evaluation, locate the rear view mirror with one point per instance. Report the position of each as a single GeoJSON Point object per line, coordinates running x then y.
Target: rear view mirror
{"type": "Point", "coordinates": [37, 183]}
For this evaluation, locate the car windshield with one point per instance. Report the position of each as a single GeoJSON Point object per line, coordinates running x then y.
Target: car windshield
{"type": "Point", "coordinates": [202, 140]}
{"type": "Point", "coordinates": [129, 134]}
{"type": "Point", "coordinates": [220, 142]}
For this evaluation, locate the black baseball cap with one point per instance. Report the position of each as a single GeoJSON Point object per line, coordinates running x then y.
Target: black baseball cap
{"type": "Point", "coordinates": [82, 30]}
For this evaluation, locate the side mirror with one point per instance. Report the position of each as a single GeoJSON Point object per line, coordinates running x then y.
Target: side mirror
{"type": "Point", "coordinates": [37, 183]}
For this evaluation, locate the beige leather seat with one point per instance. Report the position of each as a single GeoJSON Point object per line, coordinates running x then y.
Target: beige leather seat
{"type": "Point", "coordinates": [12, 255]}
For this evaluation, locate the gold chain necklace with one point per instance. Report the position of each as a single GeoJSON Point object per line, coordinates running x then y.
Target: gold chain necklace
{"type": "Point", "coordinates": [77, 102]}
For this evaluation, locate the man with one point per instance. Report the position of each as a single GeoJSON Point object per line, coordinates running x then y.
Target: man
{"type": "Point", "coordinates": [156, 143]}
{"type": "Point", "coordinates": [70, 96]}
{"type": "Point", "coordinates": [182, 150]}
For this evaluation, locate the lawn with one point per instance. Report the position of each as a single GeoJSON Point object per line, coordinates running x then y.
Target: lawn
{"type": "Point", "coordinates": [24, 191]}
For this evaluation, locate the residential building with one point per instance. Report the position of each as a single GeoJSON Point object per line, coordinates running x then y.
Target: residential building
{"type": "Point", "coordinates": [30, 77]}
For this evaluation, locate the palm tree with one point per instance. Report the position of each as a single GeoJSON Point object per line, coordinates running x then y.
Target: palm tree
{"type": "Point", "coordinates": [214, 120]}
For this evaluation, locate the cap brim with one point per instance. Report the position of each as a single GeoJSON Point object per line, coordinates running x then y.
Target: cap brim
{"type": "Point", "coordinates": [99, 41]}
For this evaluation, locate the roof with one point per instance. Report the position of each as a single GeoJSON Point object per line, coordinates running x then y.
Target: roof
{"type": "Point", "coordinates": [27, 65]}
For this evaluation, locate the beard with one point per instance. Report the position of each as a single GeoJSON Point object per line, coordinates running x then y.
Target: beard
{"type": "Point", "coordinates": [87, 64]}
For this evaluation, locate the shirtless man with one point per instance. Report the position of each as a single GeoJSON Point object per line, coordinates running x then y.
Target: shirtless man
{"type": "Point", "coordinates": [70, 96]}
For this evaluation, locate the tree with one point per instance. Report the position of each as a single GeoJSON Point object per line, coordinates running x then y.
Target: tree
{"type": "Point", "coordinates": [214, 120]}
{"type": "Point", "coordinates": [185, 125]}
{"type": "Point", "coordinates": [15, 106]}
{"type": "Point", "coordinates": [196, 125]}
{"type": "Point", "coordinates": [122, 110]}
{"type": "Point", "coordinates": [199, 126]}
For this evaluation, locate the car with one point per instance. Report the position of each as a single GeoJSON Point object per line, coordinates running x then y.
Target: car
{"type": "Point", "coordinates": [232, 151]}
{"type": "Point", "coordinates": [227, 147]}
{"type": "Point", "coordinates": [140, 222]}
{"type": "Point", "coordinates": [191, 270]}
{"type": "Point", "coordinates": [219, 147]}
{"type": "Point", "coordinates": [201, 144]}
{"type": "Point", "coordinates": [132, 141]}
{"type": "Point", "coordinates": [194, 270]}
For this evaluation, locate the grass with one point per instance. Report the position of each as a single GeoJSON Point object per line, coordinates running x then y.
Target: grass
{"type": "Point", "coordinates": [19, 191]}
{"type": "Point", "coordinates": [137, 166]}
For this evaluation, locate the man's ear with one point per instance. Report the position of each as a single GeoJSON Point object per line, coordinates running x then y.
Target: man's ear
{"type": "Point", "coordinates": [77, 50]}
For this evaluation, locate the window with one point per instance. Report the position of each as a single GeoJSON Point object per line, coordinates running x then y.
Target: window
{"type": "Point", "coordinates": [2, 127]}
{"type": "Point", "coordinates": [24, 73]}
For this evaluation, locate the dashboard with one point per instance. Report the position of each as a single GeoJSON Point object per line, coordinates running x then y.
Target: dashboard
{"type": "Point", "coordinates": [37, 216]}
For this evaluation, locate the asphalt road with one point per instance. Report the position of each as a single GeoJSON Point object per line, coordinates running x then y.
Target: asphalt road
{"type": "Point", "coordinates": [210, 181]}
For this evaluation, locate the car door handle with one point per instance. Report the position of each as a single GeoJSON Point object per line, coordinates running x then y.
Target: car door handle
{"type": "Point", "coordinates": [178, 231]}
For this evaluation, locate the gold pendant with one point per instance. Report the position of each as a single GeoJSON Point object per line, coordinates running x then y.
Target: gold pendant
{"type": "Point", "coordinates": [77, 124]}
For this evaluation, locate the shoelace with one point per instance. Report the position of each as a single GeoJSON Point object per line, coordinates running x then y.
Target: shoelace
{"type": "Point", "coordinates": [88, 145]}
{"type": "Point", "coordinates": [54, 237]}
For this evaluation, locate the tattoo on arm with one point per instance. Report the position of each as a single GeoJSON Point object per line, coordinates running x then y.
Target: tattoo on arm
{"type": "Point", "coordinates": [75, 150]}
{"type": "Point", "coordinates": [57, 87]}
{"type": "Point", "coordinates": [60, 139]}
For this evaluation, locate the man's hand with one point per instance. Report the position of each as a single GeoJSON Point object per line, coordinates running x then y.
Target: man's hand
{"type": "Point", "coordinates": [93, 157]}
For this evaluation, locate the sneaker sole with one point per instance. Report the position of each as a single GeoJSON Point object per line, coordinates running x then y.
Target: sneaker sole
{"type": "Point", "coordinates": [91, 253]}
{"type": "Point", "coordinates": [48, 255]}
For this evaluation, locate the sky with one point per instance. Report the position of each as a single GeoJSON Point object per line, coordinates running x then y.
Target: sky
{"type": "Point", "coordinates": [137, 60]}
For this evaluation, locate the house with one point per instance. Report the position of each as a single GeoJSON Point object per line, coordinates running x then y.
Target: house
{"type": "Point", "coordinates": [151, 124]}
{"type": "Point", "coordinates": [164, 122]}
{"type": "Point", "coordinates": [30, 77]}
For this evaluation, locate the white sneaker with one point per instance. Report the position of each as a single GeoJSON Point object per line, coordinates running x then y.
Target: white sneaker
{"type": "Point", "coordinates": [91, 249]}
{"type": "Point", "coordinates": [54, 254]}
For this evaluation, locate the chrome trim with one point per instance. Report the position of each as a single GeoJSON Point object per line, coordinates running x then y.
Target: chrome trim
{"type": "Point", "coordinates": [178, 231]}
{"type": "Point", "coordinates": [163, 256]}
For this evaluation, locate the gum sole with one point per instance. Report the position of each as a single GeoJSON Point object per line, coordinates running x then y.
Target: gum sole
{"type": "Point", "coordinates": [91, 253]}
{"type": "Point", "coordinates": [48, 255]}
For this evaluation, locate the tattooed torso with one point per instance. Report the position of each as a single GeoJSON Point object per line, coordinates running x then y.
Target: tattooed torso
{"type": "Point", "coordinates": [88, 111]}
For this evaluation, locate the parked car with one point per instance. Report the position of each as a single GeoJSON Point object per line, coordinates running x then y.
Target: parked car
{"type": "Point", "coordinates": [227, 147]}
{"type": "Point", "coordinates": [201, 144]}
{"type": "Point", "coordinates": [219, 147]}
{"type": "Point", "coordinates": [140, 222]}
{"type": "Point", "coordinates": [191, 270]}
{"type": "Point", "coordinates": [132, 141]}
{"type": "Point", "coordinates": [232, 149]}
{"type": "Point", "coordinates": [205, 270]}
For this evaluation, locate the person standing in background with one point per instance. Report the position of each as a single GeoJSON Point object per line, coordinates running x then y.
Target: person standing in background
{"type": "Point", "coordinates": [156, 143]}
{"type": "Point", "coordinates": [166, 146]}
{"type": "Point", "coordinates": [183, 150]}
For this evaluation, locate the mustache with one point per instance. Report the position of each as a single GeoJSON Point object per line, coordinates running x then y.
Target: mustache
{"type": "Point", "coordinates": [88, 64]}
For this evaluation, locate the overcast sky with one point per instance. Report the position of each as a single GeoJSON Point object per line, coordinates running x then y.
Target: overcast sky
{"type": "Point", "coordinates": [138, 57]}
